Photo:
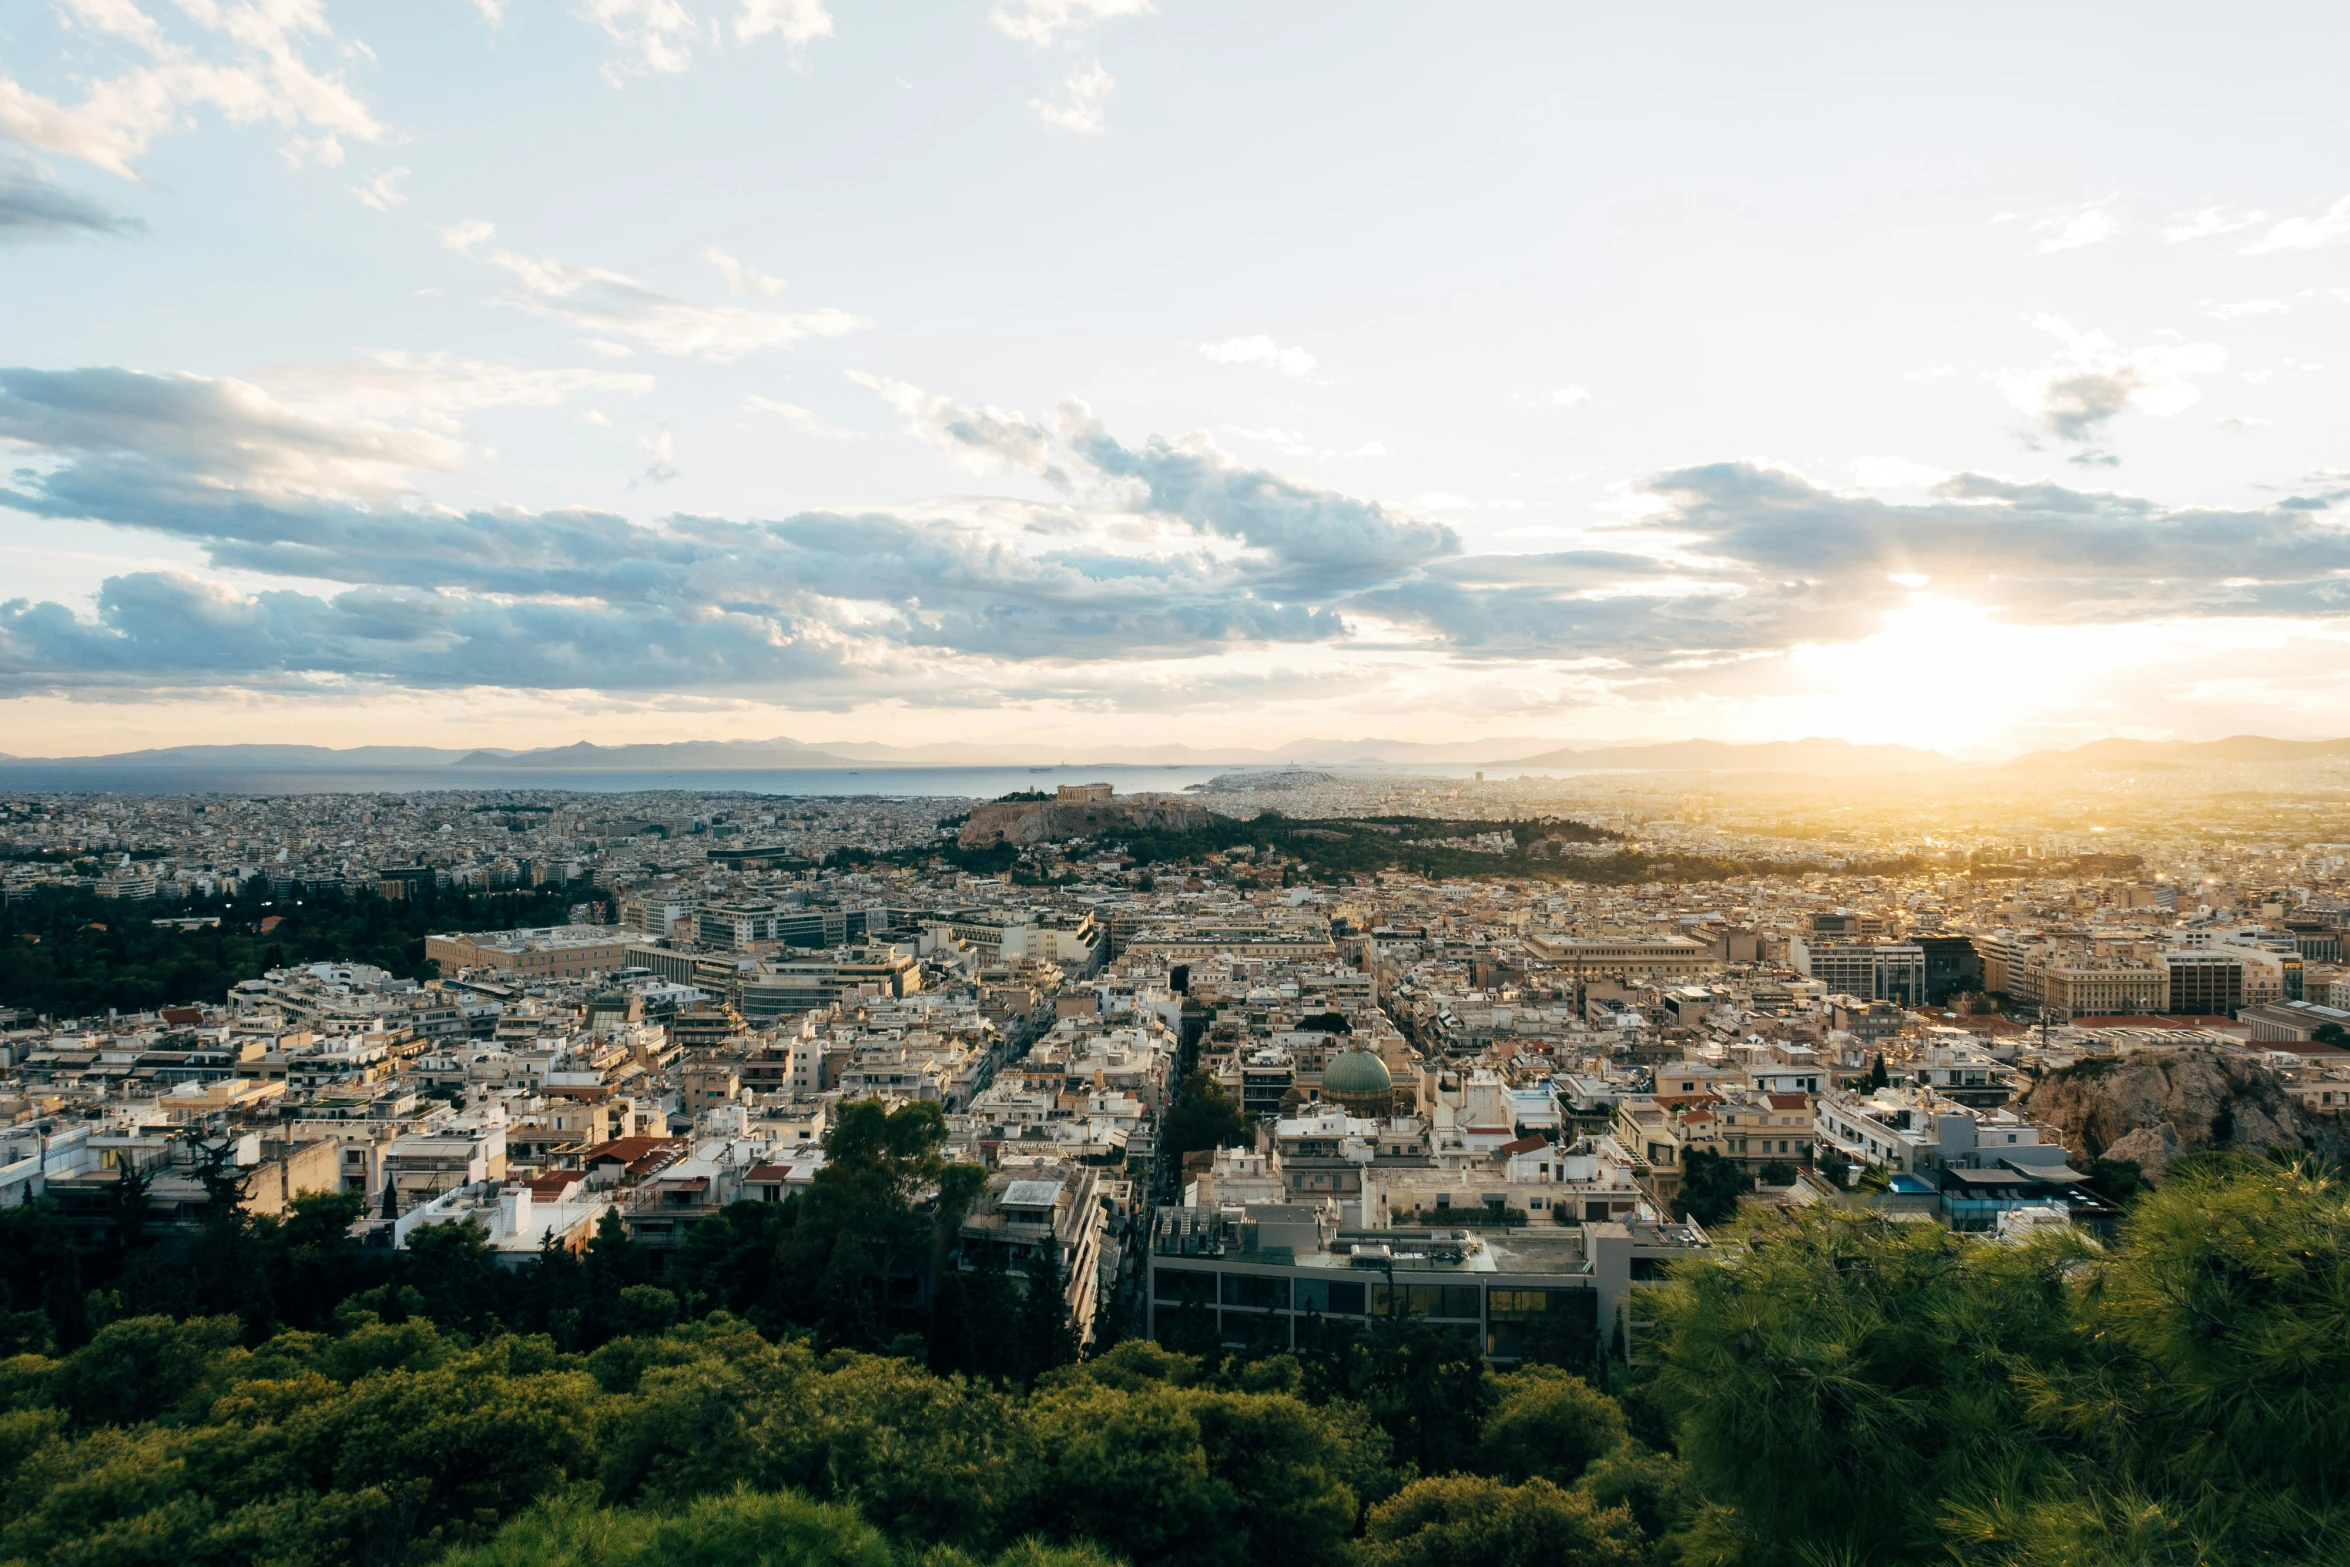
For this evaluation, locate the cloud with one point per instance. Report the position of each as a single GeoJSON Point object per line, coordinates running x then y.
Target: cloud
{"type": "Point", "coordinates": [1162, 552]}
{"type": "Point", "coordinates": [1040, 22]}
{"type": "Point", "coordinates": [740, 279]}
{"type": "Point", "coordinates": [659, 37]}
{"type": "Point", "coordinates": [2071, 228]}
{"type": "Point", "coordinates": [434, 390]}
{"type": "Point", "coordinates": [119, 18]}
{"type": "Point", "coordinates": [592, 300]}
{"type": "Point", "coordinates": [383, 192]}
{"type": "Point", "coordinates": [656, 37]}
{"type": "Point", "coordinates": [660, 454]}
{"type": "Point", "coordinates": [246, 65]}
{"type": "Point", "coordinates": [799, 419]}
{"type": "Point", "coordinates": [2093, 379]}
{"type": "Point", "coordinates": [2206, 222]}
{"type": "Point", "coordinates": [2330, 227]}
{"type": "Point", "coordinates": [462, 237]}
{"type": "Point", "coordinates": [178, 631]}
{"type": "Point", "coordinates": [1314, 542]}
{"type": "Point", "coordinates": [2229, 310]}
{"type": "Point", "coordinates": [1081, 107]}
{"type": "Point", "coordinates": [801, 22]}
{"type": "Point", "coordinates": [33, 206]}
{"type": "Point", "coordinates": [1567, 397]}
{"type": "Point", "coordinates": [1262, 351]}
{"type": "Point", "coordinates": [134, 448]}
{"type": "Point", "coordinates": [317, 152]}
{"type": "Point", "coordinates": [266, 488]}
{"type": "Point", "coordinates": [1736, 560]}
{"type": "Point", "coordinates": [979, 440]}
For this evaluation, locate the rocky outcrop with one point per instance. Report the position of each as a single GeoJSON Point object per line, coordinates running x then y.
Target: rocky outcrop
{"type": "Point", "coordinates": [1050, 821]}
{"type": "Point", "coordinates": [2154, 1105]}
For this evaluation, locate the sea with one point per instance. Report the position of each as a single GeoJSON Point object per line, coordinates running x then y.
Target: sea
{"type": "Point", "coordinates": [973, 783]}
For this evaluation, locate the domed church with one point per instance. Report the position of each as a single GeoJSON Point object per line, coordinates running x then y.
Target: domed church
{"type": "Point", "coordinates": [1359, 1080]}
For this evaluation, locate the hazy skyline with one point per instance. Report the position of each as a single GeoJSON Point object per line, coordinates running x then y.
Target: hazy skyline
{"type": "Point", "coordinates": [511, 372]}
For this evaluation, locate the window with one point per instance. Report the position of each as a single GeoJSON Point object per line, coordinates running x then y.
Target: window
{"type": "Point", "coordinates": [1532, 1305]}
{"type": "Point", "coordinates": [1255, 1290]}
{"type": "Point", "coordinates": [1424, 1300]}
{"type": "Point", "coordinates": [1330, 1295]}
{"type": "Point", "coordinates": [1183, 1286]}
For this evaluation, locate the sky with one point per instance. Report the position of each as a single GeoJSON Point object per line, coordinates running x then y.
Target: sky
{"type": "Point", "coordinates": [1140, 371]}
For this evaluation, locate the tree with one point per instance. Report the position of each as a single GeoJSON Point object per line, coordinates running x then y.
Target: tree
{"type": "Point", "coordinates": [1468, 1521]}
{"type": "Point", "coordinates": [1710, 1187]}
{"type": "Point", "coordinates": [1203, 1116]}
{"type": "Point", "coordinates": [1548, 1424]}
{"type": "Point", "coordinates": [2228, 1301]}
{"type": "Point", "coordinates": [1877, 1076]}
{"type": "Point", "coordinates": [973, 1316]}
{"type": "Point", "coordinates": [874, 1220]}
{"type": "Point", "coordinates": [1046, 1336]}
{"type": "Point", "coordinates": [450, 1266]}
{"type": "Point", "coordinates": [1849, 1378]}
{"type": "Point", "coordinates": [2331, 1034]}
{"type": "Point", "coordinates": [2116, 1180]}
{"type": "Point", "coordinates": [1427, 1389]}
{"type": "Point", "coordinates": [41, 1271]}
{"type": "Point", "coordinates": [213, 1161]}
{"type": "Point", "coordinates": [1776, 1172]}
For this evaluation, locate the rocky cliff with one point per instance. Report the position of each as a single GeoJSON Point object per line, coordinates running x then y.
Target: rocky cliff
{"type": "Point", "coordinates": [2155, 1105]}
{"type": "Point", "coordinates": [1049, 821]}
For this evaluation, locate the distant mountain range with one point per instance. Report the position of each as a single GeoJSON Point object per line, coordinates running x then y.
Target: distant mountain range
{"type": "Point", "coordinates": [258, 756]}
{"type": "Point", "coordinates": [683, 755]}
{"type": "Point", "coordinates": [2133, 753]}
{"type": "Point", "coordinates": [1815, 756]}
{"type": "Point", "coordinates": [1832, 757]}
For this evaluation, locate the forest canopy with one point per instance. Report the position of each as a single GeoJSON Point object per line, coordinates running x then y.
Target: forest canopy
{"type": "Point", "coordinates": [1827, 1387]}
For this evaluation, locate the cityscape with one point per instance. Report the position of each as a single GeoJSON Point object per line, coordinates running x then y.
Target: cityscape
{"type": "Point", "coordinates": [1143, 783]}
{"type": "Point", "coordinates": [1294, 1060]}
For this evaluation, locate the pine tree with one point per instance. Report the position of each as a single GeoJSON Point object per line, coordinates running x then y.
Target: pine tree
{"type": "Point", "coordinates": [1046, 1336]}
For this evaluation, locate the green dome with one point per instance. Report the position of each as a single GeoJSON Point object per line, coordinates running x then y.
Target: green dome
{"type": "Point", "coordinates": [1356, 1072]}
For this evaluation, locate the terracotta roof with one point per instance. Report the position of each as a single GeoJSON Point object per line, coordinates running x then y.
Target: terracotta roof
{"type": "Point", "coordinates": [1522, 1145]}
{"type": "Point", "coordinates": [1788, 1101]}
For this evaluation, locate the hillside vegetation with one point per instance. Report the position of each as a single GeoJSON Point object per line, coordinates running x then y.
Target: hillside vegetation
{"type": "Point", "coordinates": [1826, 1388]}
